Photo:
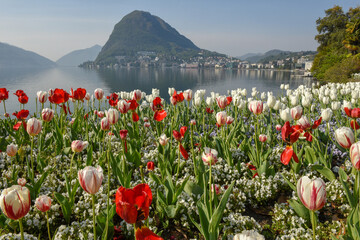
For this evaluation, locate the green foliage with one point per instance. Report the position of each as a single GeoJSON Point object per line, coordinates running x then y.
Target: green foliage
{"type": "Point", "coordinates": [339, 35]}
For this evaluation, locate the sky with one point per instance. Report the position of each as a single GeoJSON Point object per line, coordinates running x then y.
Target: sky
{"type": "Point", "coordinates": [233, 27]}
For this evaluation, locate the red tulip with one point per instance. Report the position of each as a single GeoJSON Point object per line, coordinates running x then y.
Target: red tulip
{"type": "Point", "coordinates": [132, 205]}
{"type": "Point", "coordinates": [353, 113]}
{"type": "Point", "coordinates": [79, 94]}
{"type": "Point", "coordinates": [133, 105]}
{"type": "Point", "coordinates": [59, 96]}
{"type": "Point", "coordinates": [177, 135]}
{"type": "Point", "coordinates": [228, 100]}
{"type": "Point", "coordinates": [287, 154]}
{"type": "Point", "coordinates": [209, 110]}
{"type": "Point", "coordinates": [160, 115]}
{"type": "Point", "coordinates": [123, 134]}
{"type": "Point", "coordinates": [22, 114]}
{"type": "Point", "coordinates": [262, 138]}
{"type": "Point", "coordinates": [23, 98]}
{"type": "Point", "coordinates": [150, 166]}
{"type": "Point", "coordinates": [290, 134]}
{"type": "Point", "coordinates": [354, 124]}
{"type": "Point", "coordinates": [18, 93]}
{"type": "Point", "coordinates": [113, 99]}
{"type": "Point", "coordinates": [183, 131]}
{"type": "Point", "coordinates": [183, 152]}
{"type": "Point", "coordinates": [135, 117]}
{"type": "Point", "coordinates": [142, 232]}
{"type": "Point", "coordinates": [4, 94]}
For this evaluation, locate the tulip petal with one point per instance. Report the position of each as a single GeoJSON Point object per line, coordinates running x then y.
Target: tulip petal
{"type": "Point", "coordinates": [144, 233]}
{"type": "Point", "coordinates": [286, 155]}
{"type": "Point", "coordinates": [160, 115]}
{"type": "Point", "coordinates": [183, 152]}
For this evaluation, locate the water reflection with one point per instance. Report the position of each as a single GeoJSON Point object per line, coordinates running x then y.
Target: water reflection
{"type": "Point", "coordinates": [127, 79]}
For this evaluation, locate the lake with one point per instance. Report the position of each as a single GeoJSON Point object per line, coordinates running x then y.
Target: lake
{"type": "Point", "coordinates": [127, 79]}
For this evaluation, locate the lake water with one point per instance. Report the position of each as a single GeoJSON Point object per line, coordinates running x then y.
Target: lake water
{"type": "Point", "coordinates": [127, 79]}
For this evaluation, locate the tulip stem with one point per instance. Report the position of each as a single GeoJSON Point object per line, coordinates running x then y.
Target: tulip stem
{"type": "Point", "coordinates": [32, 158]}
{"type": "Point", "coordinates": [210, 192]}
{"type": "Point", "coordinates": [21, 229]}
{"type": "Point", "coordinates": [71, 161]}
{"type": "Point", "coordinates": [4, 107]}
{"type": "Point", "coordinates": [178, 168]}
{"type": "Point", "coordinates": [192, 150]}
{"type": "Point", "coordinates": [94, 219]}
{"type": "Point", "coordinates": [313, 223]}
{"type": "Point", "coordinates": [47, 223]}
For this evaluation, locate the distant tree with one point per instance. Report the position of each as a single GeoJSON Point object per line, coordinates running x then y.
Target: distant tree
{"type": "Point", "coordinates": [339, 38]}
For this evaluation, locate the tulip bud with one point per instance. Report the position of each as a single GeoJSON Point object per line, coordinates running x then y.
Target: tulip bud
{"type": "Point", "coordinates": [146, 124]}
{"type": "Point", "coordinates": [11, 150]}
{"type": "Point", "coordinates": [78, 145]}
{"type": "Point", "coordinates": [355, 155]}
{"type": "Point", "coordinates": [271, 101]}
{"type": "Point", "coordinates": [344, 136]}
{"type": "Point", "coordinates": [209, 156]}
{"type": "Point", "coordinates": [326, 114]}
{"type": "Point", "coordinates": [209, 101]}
{"type": "Point", "coordinates": [150, 166]}
{"type": "Point", "coordinates": [100, 114]}
{"type": "Point", "coordinates": [105, 125]}
{"type": "Point", "coordinates": [335, 106]}
{"type": "Point", "coordinates": [312, 193]}
{"type": "Point", "coordinates": [87, 96]}
{"type": "Point", "coordinates": [192, 122]}
{"type": "Point", "coordinates": [112, 115]}
{"type": "Point", "coordinates": [217, 189]}
{"type": "Point", "coordinates": [47, 114]}
{"type": "Point", "coordinates": [15, 202]}
{"type": "Point", "coordinates": [262, 138]}
{"type": "Point", "coordinates": [163, 140]}
{"type": "Point", "coordinates": [296, 112]}
{"type": "Point", "coordinates": [90, 179]}
{"type": "Point", "coordinates": [21, 182]}
{"type": "Point", "coordinates": [123, 134]}
{"type": "Point", "coordinates": [188, 94]}
{"type": "Point", "coordinates": [146, 119]}
{"type": "Point", "coordinates": [256, 107]}
{"type": "Point", "coordinates": [294, 100]}
{"type": "Point", "coordinates": [285, 115]}
{"type": "Point", "coordinates": [221, 118]}
{"type": "Point", "coordinates": [177, 135]}
{"type": "Point", "coordinates": [171, 91]}
{"type": "Point", "coordinates": [42, 96]}
{"type": "Point", "coordinates": [99, 93]}
{"type": "Point", "coordinates": [33, 127]}
{"type": "Point", "coordinates": [43, 203]}
{"type": "Point", "coordinates": [137, 95]}
{"type": "Point", "coordinates": [278, 127]}
{"type": "Point", "coordinates": [229, 120]}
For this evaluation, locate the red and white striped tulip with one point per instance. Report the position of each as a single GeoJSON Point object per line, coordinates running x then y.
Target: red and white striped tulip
{"type": "Point", "coordinates": [11, 150]}
{"type": "Point", "coordinates": [221, 118]}
{"type": "Point", "coordinates": [146, 124]}
{"type": "Point", "coordinates": [278, 127]}
{"type": "Point", "coordinates": [33, 127]}
{"type": "Point", "coordinates": [90, 179]}
{"type": "Point", "coordinates": [304, 122]}
{"type": "Point", "coordinates": [123, 106]}
{"type": "Point", "coordinates": [355, 155]}
{"type": "Point", "coordinates": [262, 138]}
{"type": "Point", "coordinates": [47, 114]}
{"type": "Point", "coordinates": [345, 137]}
{"type": "Point", "coordinates": [193, 122]}
{"type": "Point", "coordinates": [43, 203]}
{"type": "Point", "coordinates": [99, 93]}
{"type": "Point", "coordinates": [105, 125]}
{"type": "Point", "coordinates": [312, 193]}
{"type": "Point", "coordinates": [87, 96]}
{"type": "Point", "coordinates": [21, 182]}
{"type": "Point", "coordinates": [137, 95]}
{"type": "Point", "coordinates": [222, 102]}
{"type": "Point", "coordinates": [229, 120]}
{"type": "Point", "coordinates": [78, 145]}
{"type": "Point", "coordinates": [209, 156]}
{"type": "Point", "coordinates": [188, 95]}
{"type": "Point", "coordinates": [256, 107]}
{"type": "Point", "coordinates": [112, 115]}
{"type": "Point", "coordinates": [100, 114]}
{"type": "Point", "coordinates": [296, 112]}
{"type": "Point", "coordinates": [15, 202]}
{"type": "Point", "coordinates": [42, 96]}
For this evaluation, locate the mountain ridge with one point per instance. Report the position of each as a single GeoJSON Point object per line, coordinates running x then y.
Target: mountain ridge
{"type": "Point", "coordinates": [77, 57]}
{"type": "Point", "coordinates": [12, 56]}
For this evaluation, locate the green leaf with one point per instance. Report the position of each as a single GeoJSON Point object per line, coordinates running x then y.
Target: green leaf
{"type": "Point", "coordinates": [289, 183]}
{"type": "Point", "coordinates": [89, 156]}
{"type": "Point", "coordinates": [217, 215]}
{"type": "Point", "coordinates": [350, 197]}
{"type": "Point", "coordinates": [192, 188]}
{"type": "Point", "coordinates": [65, 206]}
{"type": "Point", "coordinates": [300, 209]}
{"type": "Point", "coordinates": [204, 219]}
{"type": "Point", "coordinates": [324, 171]}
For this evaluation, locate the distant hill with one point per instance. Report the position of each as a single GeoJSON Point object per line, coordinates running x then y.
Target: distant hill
{"type": "Point", "coordinates": [142, 32]}
{"type": "Point", "coordinates": [275, 54]}
{"type": "Point", "coordinates": [11, 56]}
{"type": "Point", "coordinates": [249, 55]}
{"type": "Point", "coordinates": [77, 57]}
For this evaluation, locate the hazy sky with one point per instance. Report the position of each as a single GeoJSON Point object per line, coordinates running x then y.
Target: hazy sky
{"type": "Point", "coordinates": [55, 28]}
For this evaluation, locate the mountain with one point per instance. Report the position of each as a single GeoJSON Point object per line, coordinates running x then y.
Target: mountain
{"type": "Point", "coordinates": [77, 57]}
{"type": "Point", "coordinates": [249, 55]}
{"type": "Point", "coordinates": [11, 56]}
{"type": "Point", "coordinates": [258, 58]}
{"type": "Point", "coordinates": [142, 32]}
